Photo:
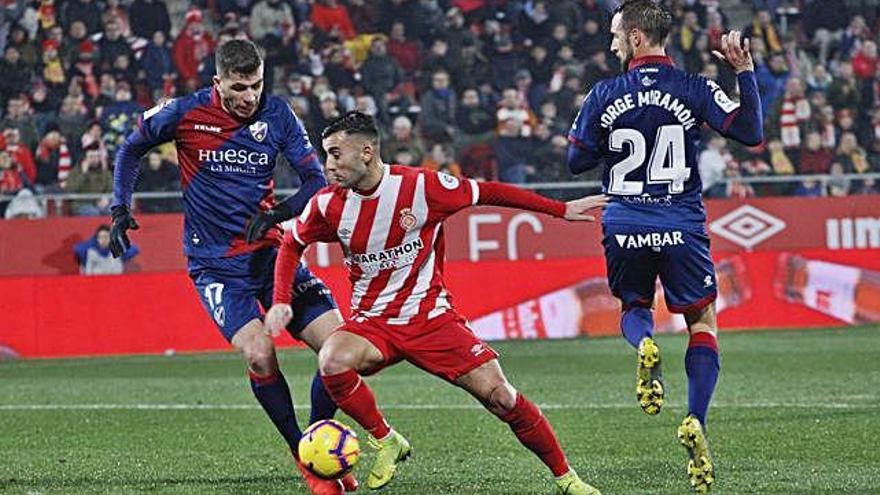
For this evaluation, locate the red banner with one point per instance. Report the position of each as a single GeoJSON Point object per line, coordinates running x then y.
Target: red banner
{"type": "Point", "coordinates": [781, 263]}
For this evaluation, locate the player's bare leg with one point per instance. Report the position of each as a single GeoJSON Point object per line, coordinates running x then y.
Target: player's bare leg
{"type": "Point", "coordinates": [488, 385]}
{"type": "Point", "coordinates": [272, 392]}
{"type": "Point", "coordinates": [342, 358]}
{"type": "Point", "coordinates": [314, 335]}
{"type": "Point", "coordinates": [702, 365]}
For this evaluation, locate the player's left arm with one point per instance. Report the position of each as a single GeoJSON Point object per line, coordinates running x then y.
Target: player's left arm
{"type": "Point", "coordinates": [301, 155]}
{"type": "Point", "coordinates": [449, 195]}
{"type": "Point", "coordinates": [585, 135]}
{"type": "Point", "coordinates": [743, 121]}
{"type": "Point", "coordinates": [310, 227]}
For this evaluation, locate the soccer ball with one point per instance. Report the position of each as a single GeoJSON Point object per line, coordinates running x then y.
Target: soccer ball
{"type": "Point", "coordinates": [329, 449]}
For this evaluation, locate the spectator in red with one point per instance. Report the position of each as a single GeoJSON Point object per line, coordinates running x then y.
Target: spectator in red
{"type": "Point", "coordinates": [11, 178]}
{"type": "Point", "coordinates": [405, 51]}
{"type": "Point", "coordinates": [329, 15]}
{"type": "Point", "coordinates": [814, 158]}
{"type": "Point", "coordinates": [864, 63]}
{"type": "Point", "coordinates": [20, 153]}
{"type": "Point", "coordinates": [53, 159]}
{"type": "Point", "coordinates": [193, 44]}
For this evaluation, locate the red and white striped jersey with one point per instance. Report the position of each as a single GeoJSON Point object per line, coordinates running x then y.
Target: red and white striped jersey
{"type": "Point", "coordinates": [392, 240]}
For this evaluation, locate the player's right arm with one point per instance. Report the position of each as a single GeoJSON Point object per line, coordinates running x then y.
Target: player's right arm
{"type": "Point", "coordinates": [585, 135]}
{"type": "Point", "coordinates": [310, 227]}
{"type": "Point", "coordinates": [157, 125]}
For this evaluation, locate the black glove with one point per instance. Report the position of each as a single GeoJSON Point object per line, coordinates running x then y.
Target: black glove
{"type": "Point", "coordinates": [122, 221]}
{"type": "Point", "coordinates": [260, 223]}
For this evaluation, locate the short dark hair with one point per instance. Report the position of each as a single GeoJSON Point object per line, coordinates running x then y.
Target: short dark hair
{"type": "Point", "coordinates": [648, 17]}
{"type": "Point", "coordinates": [238, 57]}
{"type": "Point", "coordinates": [354, 122]}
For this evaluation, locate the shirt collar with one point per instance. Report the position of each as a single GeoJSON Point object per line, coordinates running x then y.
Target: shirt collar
{"type": "Point", "coordinates": [650, 60]}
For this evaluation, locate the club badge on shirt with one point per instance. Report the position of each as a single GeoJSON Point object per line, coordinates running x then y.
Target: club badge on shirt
{"type": "Point", "coordinates": [407, 219]}
{"type": "Point", "coordinates": [258, 130]}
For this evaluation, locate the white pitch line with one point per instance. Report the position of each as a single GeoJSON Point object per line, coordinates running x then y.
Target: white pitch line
{"type": "Point", "coordinates": [209, 407]}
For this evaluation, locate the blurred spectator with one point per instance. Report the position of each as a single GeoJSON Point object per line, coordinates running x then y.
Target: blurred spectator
{"type": "Point", "coordinates": [441, 159]}
{"type": "Point", "coordinates": [771, 79]}
{"type": "Point", "coordinates": [474, 121]}
{"type": "Point", "coordinates": [16, 74]}
{"type": "Point", "coordinates": [119, 118]}
{"type": "Point", "coordinates": [852, 156]}
{"type": "Point", "coordinates": [366, 15]}
{"type": "Point", "coordinates": [405, 52]}
{"type": "Point", "coordinates": [19, 116]}
{"type": "Point", "coordinates": [24, 205]}
{"type": "Point", "coordinates": [810, 188]}
{"type": "Point", "coordinates": [158, 175]}
{"type": "Point", "coordinates": [20, 154]}
{"type": "Point", "coordinates": [380, 73]}
{"type": "Point", "coordinates": [437, 118]}
{"type": "Point", "coordinates": [331, 15]}
{"type": "Point", "coordinates": [111, 45]}
{"type": "Point", "coordinates": [792, 112]}
{"type": "Point", "coordinates": [814, 158]}
{"type": "Point", "coordinates": [53, 160]}
{"type": "Point", "coordinates": [116, 11]}
{"type": "Point", "coordinates": [514, 108]}
{"type": "Point", "coordinates": [193, 44]}
{"type": "Point", "coordinates": [838, 185]}
{"type": "Point", "coordinates": [403, 139]}
{"type": "Point", "coordinates": [94, 257]}
{"type": "Point", "coordinates": [90, 177]}
{"type": "Point", "coordinates": [763, 28]}
{"type": "Point", "coordinates": [12, 179]}
{"type": "Point", "coordinates": [270, 18]}
{"type": "Point", "coordinates": [152, 16]}
{"type": "Point", "coordinates": [512, 151]}
{"type": "Point", "coordinates": [844, 91]}
{"type": "Point", "coordinates": [547, 157]}
{"type": "Point", "coordinates": [712, 164]}
{"type": "Point", "coordinates": [157, 62]}
{"type": "Point", "coordinates": [86, 11]}
{"type": "Point", "coordinates": [327, 111]}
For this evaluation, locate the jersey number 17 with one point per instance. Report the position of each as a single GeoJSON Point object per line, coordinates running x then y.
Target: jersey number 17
{"type": "Point", "coordinates": [667, 164]}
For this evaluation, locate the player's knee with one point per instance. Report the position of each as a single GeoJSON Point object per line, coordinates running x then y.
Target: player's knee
{"type": "Point", "coordinates": [333, 359]}
{"type": "Point", "coordinates": [260, 358]}
{"type": "Point", "coordinates": [501, 398]}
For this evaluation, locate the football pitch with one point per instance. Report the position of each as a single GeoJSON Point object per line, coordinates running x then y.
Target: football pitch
{"type": "Point", "coordinates": [795, 413]}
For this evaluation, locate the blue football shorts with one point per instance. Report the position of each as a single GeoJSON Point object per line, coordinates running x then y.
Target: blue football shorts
{"type": "Point", "coordinates": [235, 290]}
{"type": "Point", "coordinates": [636, 255]}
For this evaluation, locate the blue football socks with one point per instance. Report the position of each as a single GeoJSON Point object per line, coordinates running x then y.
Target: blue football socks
{"type": "Point", "coordinates": [636, 323]}
{"type": "Point", "coordinates": [702, 365]}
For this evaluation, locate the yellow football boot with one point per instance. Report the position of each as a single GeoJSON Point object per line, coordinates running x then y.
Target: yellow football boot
{"type": "Point", "coordinates": [649, 378]}
{"type": "Point", "coordinates": [571, 484]}
{"type": "Point", "coordinates": [392, 450]}
{"type": "Point", "coordinates": [700, 469]}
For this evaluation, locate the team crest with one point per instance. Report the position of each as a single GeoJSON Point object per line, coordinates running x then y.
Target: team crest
{"type": "Point", "coordinates": [407, 219]}
{"type": "Point", "coordinates": [448, 181]}
{"type": "Point", "coordinates": [258, 130]}
{"type": "Point", "coordinates": [647, 81]}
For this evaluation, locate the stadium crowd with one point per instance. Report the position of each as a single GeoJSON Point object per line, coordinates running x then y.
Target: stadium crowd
{"type": "Point", "coordinates": [482, 88]}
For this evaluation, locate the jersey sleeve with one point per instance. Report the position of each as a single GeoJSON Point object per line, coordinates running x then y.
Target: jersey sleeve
{"type": "Point", "coordinates": [741, 120]}
{"type": "Point", "coordinates": [311, 225]}
{"type": "Point", "coordinates": [447, 194]}
{"type": "Point", "coordinates": [155, 126]}
{"type": "Point", "coordinates": [585, 134]}
{"type": "Point", "coordinates": [301, 155]}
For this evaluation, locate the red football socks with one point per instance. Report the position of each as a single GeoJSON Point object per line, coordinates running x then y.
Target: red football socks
{"type": "Point", "coordinates": [534, 431]}
{"type": "Point", "coordinates": [354, 397]}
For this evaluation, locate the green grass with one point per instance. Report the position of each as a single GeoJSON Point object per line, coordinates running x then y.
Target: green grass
{"type": "Point", "coordinates": [795, 413]}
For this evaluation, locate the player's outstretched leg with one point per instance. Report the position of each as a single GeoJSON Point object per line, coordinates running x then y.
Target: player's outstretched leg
{"type": "Point", "coordinates": [272, 392]}
{"type": "Point", "coordinates": [488, 384]}
{"type": "Point", "coordinates": [637, 325]}
{"type": "Point", "coordinates": [341, 355]}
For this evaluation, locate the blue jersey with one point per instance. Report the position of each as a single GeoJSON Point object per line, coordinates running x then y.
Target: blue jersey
{"type": "Point", "coordinates": [226, 164]}
{"type": "Point", "coordinates": [644, 126]}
